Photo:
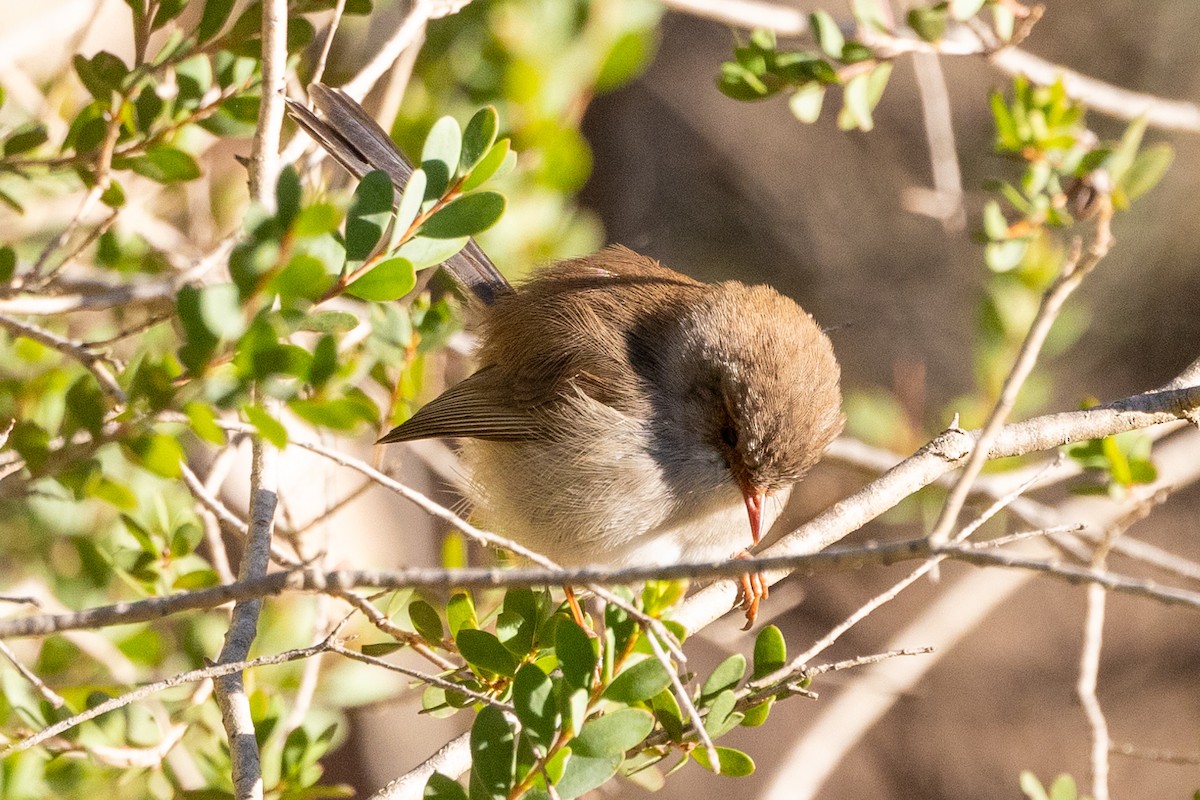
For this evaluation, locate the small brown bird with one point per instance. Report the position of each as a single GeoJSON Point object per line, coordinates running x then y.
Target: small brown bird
{"type": "Point", "coordinates": [622, 413]}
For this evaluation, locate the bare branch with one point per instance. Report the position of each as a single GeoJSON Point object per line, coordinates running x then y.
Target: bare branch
{"type": "Point", "coordinates": [1131, 750]}
{"type": "Point", "coordinates": [192, 676]}
{"type": "Point", "coordinates": [1076, 268]}
{"type": "Point", "coordinates": [90, 359]}
{"type": "Point", "coordinates": [243, 625]}
{"type": "Point", "coordinates": [49, 695]}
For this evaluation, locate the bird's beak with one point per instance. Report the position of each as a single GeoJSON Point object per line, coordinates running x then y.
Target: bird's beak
{"type": "Point", "coordinates": [754, 498]}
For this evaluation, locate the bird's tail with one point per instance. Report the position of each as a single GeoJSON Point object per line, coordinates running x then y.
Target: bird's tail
{"type": "Point", "coordinates": [358, 143]}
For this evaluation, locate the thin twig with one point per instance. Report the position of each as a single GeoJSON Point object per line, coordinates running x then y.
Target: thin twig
{"type": "Point", "coordinates": [685, 702]}
{"type": "Point", "coordinates": [49, 695]}
{"type": "Point", "coordinates": [90, 359]}
{"type": "Point", "coordinates": [215, 671]}
{"type": "Point", "coordinates": [243, 624]}
{"type": "Point", "coordinates": [338, 581]}
{"type": "Point", "coordinates": [424, 677]}
{"type": "Point", "coordinates": [1085, 689]}
{"type": "Point", "coordinates": [1130, 750]}
{"type": "Point", "coordinates": [1076, 268]}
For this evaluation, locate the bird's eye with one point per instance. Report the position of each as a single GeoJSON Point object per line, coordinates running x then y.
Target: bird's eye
{"type": "Point", "coordinates": [729, 435]}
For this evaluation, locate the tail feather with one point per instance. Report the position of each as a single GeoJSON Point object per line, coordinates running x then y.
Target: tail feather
{"type": "Point", "coordinates": [360, 145]}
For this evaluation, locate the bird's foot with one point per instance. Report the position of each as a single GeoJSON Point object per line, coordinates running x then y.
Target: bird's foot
{"type": "Point", "coordinates": [752, 591]}
{"type": "Point", "coordinates": [577, 611]}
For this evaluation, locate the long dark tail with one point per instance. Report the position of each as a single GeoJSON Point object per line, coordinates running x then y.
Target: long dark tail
{"type": "Point", "coordinates": [360, 145]}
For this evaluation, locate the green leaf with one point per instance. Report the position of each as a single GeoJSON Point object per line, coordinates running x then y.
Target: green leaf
{"type": "Point", "coordinates": [204, 423]}
{"type": "Point", "coordinates": [757, 714]}
{"type": "Point", "coordinates": [25, 138]}
{"type": "Point", "coordinates": [101, 74]}
{"type": "Point", "coordinates": [287, 196]}
{"type": "Point", "coordinates": [576, 653]}
{"type": "Point", "coordinates": [380, 649]}
{"type": "Point", "coordinates": [721, 716]}
{"type": "Point", "coordinates": [1146, 170]}
{"type": "Point", "coordinates": [304, 278]}
{"type": "Point", "coordinates": [667, 712]}
{"type": "Point", "coordinates": [439, 787]}
{"type": "Point", "coordinates": [627, 58]}
{"type": "Point", "coordinates": [368, 215]}
{"type": "Point", "coordinates": [856, 105]}
{"type": "Point", "coordinates": [488, 166]}
{"type": "Point", "coordinates": [871, 14]}
{"type": "Point", "coordinates": [614, 733]}
{"type": "Point", "coordinates": [159, 453]}
{"type": "Point", "coordinates": [478, 138]}
{"type": "Point", "coordinates": [534, 702]}
{"type": "Point", "coordinates": [928, 21]}
{"type": "Point", "coordinates": [410, 204]}
{"type": "Point", "coordinates": [388, 280]}
{"type": "Point", "coordinates": [1032, 787]}
{"type": "Point", "coordinates": [166, 164]}
{"type": "Point", "coordinates": [220, 311]}
{"type": "Point", "coordinates": [268, 427]}
{"type": "Point", "coordinates": [805, 103]}
{"type": "Point", "coordinates": [328, 322]}
{"type": "Point", "coordinates": [573, 705]}
{"type": "Point", "coordinates": [8, 263]}
{"type": "Point", "coordinates": [995, 226]}
{"type": "Point", "coordinates": [518, 621]}
{"type": "Point", "coordinates": [465, 216]}
{"type": "Point", "coordinates": [167, 11]}
{"type": "Point", "coordinates": [318, 219]}
{"type": "Point", "coordinates": [737, 82]}
{"type": "Point", "coordinates": [216, 14]}
{"type": "Point", "coordinates": [493, 755]}
{"type": "Point", "coordinates": [584, 773]}
{"type": "Point", "coordinates": [1005, 256]}
{"type": "Point", "coordinates": [424, 252]}
{"type": "Point", "coordinates": [770, 652]}
{"type": "Point", "coordinates": [443, 146]}
{"type": "Point", "coordinates": [825, 30]}
{"type": "Point", "coordinates": [1064, 788]}
{"type": "Point", "coordinates": [963, 10]}
{"type": "Point", "coordinates": [484, 652]}
{"type": "Point", "coordinates": [734, 763]}
{"type": "Point", "coordinates": [727, 675]}
{"type": "Point", "coordinates": [426, 620]}
{"type": "Point", "coordinates": [640, 682]}
{"type": "Point", "coordinates": [460, 613]}
{"type": "Point", "coordinates": [113, 196]}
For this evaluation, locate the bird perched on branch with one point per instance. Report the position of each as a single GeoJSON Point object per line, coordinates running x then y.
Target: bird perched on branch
{"type": "Point", "coordinates": [622, 413]}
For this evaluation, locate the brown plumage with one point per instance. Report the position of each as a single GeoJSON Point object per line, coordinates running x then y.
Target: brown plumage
{"type": "Point", "coordinates": [622, 412]}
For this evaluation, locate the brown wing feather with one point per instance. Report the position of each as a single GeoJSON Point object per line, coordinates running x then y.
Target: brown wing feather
{"type": "Point", "coordinates": [474, 408]}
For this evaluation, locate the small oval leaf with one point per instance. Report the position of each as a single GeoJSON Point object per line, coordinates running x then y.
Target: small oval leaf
{"type": "Point", "coordinates": [389, 280]}
{"type": "Point", "coordinates": [465, 216]}
{"type": "Point", "coordinates": [640, 682]}
{"type": "Point", "coordinates": [478, 138]}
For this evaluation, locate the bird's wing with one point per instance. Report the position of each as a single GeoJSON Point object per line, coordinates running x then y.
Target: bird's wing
{"type": "Point", "coordinates": [475, 408]}
{"type": "Point", "coordinates": [358, 143]}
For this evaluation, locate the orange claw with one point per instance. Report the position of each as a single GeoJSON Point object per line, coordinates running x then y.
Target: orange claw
{"type": "Point", "coordinates": [752, 591]}
{"type": "Point", "coordinates": [576, 611]}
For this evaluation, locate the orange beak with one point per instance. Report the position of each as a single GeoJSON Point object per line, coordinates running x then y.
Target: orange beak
{"type": "Point", "coordinates": [754, 498]}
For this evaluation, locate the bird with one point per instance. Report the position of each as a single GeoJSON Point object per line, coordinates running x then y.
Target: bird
{"type": "Point", "coordinates": [621, 413]}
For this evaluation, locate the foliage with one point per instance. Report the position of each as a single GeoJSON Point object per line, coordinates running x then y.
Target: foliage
{"type": "Point", "coordinates": [217, 319]}
{"type": "Point", "coordinates": [571, 709]}
{"type": "Point", "coordinates": [299, 318]}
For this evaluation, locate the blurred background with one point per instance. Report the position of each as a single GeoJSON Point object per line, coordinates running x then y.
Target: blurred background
{"type": "Point", "coordinates": [623, 137]}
